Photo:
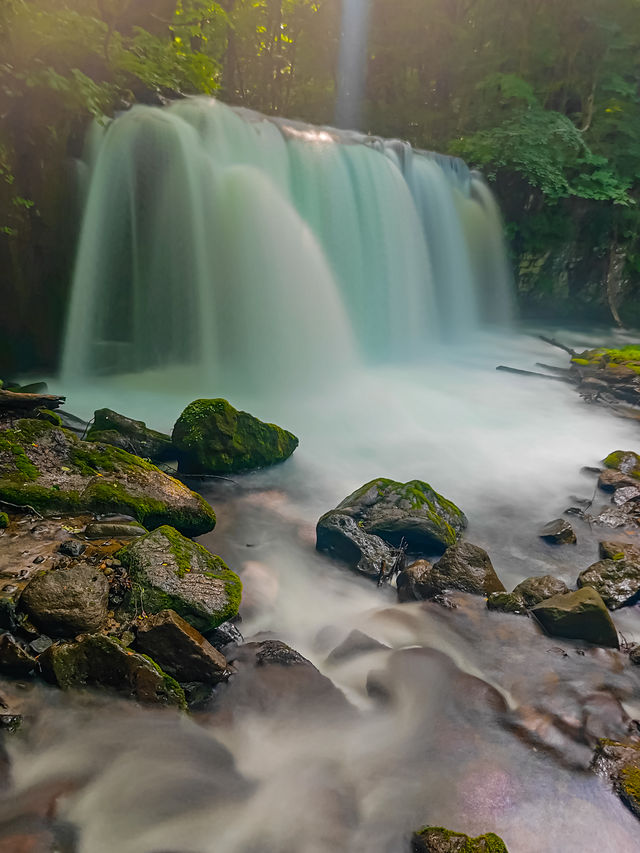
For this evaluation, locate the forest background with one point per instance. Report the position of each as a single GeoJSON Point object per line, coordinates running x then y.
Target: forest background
{"type": "Point", "coordinates": [542, 95]}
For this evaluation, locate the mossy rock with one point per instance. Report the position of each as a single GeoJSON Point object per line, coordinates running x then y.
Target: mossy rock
{"type": "Point", "coordinates": [99, 661]}
{"type": "Point", "coordinates": [53, 471]}
{"type": "Point", "coordinates": [625, 461]}
{"type": "Point", "coordinates": [212, 437]}
{"type": "Point", "coordinates": [113, 428]}
{"type": "Point", "coordinates": [606, 359]}
{"type": "Point", "coordinates": [617, 581]}
{"type": "Point", "coordinates": [170, 572]}
{"type": "Point", "coordinates": [411, 513]}
{"type": "Point", "coordinates": [580, 615]}
{"type": "Point", "coordinates": [507, 602]}
{"type": "Point", "coordinates": [437, 839]}
{"type": "Point", "coordinates": [4, 520]}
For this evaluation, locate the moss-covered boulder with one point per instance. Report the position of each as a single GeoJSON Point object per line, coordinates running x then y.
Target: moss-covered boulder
{"type": "Point", "coordinates": [617, 581]}
{"type": "Point", "coordinates": [527, 594]}
{"type": "Point", "coordinates": [51, 470]}
{"type": "Point", "coordinates": [506, 602]}
{"type": "Point", "coordinates": [4, 520]}
{"type": "Point", "coordinates": [411, 513]}
{"type": "Point", "coordinates": [111, 427]}
{"type": "Point", "coordinates": [437, 839]}
{"type": "Point", "coordinates": [625, 461]}
{"type": "Point", "coordinates": [67, 601]}
{"type": "Point", "coordinates": [580, 615]}
{"type": "Point", "coordinates": [99, 661]}
{"type": "Point", "coordinates": [212, 437]}
{"type": "Point", "coordinates": [169, 572]}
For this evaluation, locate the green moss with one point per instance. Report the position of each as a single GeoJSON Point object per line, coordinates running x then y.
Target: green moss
{"type": "Point", "coordinates": [616, 459]}
{"type": "Point", "coordinates": [489, 843]}
{"type": "Point", "coordinates": [49, 416]}
{"type": "Point", "coordinates": [4, 520]}
{"type": "Point", "coordinates": [582, 361]}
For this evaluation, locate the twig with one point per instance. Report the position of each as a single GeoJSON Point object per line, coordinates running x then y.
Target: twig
{"type": "Point", "coordinates": [557, 344]}
{"type": "Point", "coordinates": [515, 370]}
{"type": "Point", "coordinates": [22, 506]}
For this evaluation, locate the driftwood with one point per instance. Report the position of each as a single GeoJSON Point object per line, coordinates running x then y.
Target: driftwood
{"type": "Point", "coordinates": [557, 344]}
{"type": "Point", "coordinates": [12, 401]}
{"type": "Point", "coordinates": [533, 373]}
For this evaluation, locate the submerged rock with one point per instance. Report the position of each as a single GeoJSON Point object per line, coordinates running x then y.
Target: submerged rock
{"type": "Point", "coordinates": [580, 615]}
{"type": "Point", "coordinates": [437, 839]}
{"type": "Point", "coordinates": [611, 480]}
{"type": "Point", "coordinates": [620, 763]}
{"type": "Point", "coordinates": [536, 589]}
{"type": "Point", "coordinates": [110, 427]}
{"type": "Point", "coordinates": [342, 537]}
{"type": "Point", "coordinates": [617, 581]}
{"type": "Point", "coordinates": [114, 530]}
{"type": "Point", "coordinates": [99, 661]}
{"type": "Point", "coordinates": [356, 644]}
{"type": "Point", "coordinates": [170, 572]}
{"type": "Point", "coordinates": [180, 650]}
{"type": "Point", "coordinates": [507, 602]}
{"type": "Point", "coordinates": [65, 602]}
{"type": "Point", "coordinates": [410, 514]}
{"type": "Point", "coordinates": [50, 469]}
{"type": "Point", "coordinates": [211, 437]}
{"type": "Point", "coordinates": [625, 461]}
{"type": "Point", "coordinates": [558, 532]}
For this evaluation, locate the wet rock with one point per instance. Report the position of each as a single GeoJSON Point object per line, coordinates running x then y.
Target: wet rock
{"type": "Point", "coordinates": [341, 536]}
{"type": "Point", "coordinates": [40, 644]}
{"type": "Point", "coordinates": [99, 661]}
{"type": "Point", "coordinates": [634, 655]}
{"type": "Point", "coordinates": [610, 480]}
{"type": "Point", "coordinates": [620, 551]}
{"type": "Point", "coordinates": [356, 644]}
{"type": "Point", "coordinates": [65, 602]}
{"type": "Point", "coordinates": [4, 520]}
{"type": "Point", "coordinates": [559, 532]}
{"type": "Point", "coordinates": [134, 436]}
{"type": "Point", "coordinates": [225, 635]}
{"type": "Point", "coordinates": [413, 583]}
{"type": "Point", "coordinates": [114, 530]}
{"type": "Point", "coordinates": [10, 592]}
{"type": "Point", "coordinates": [72, 548]}
{"type": "Point", "coordinates": [180, 650]}
{"type": "Point", "coordinates": [15, 660]}
{"type": "Point", "coordinates": [436, 839]}
{"type": "Point", "coordinates": [536, 589]}
{"type": "Point", "coordinates": [170, 572]}
{"type": "Point", "coordinates": [411, 513]}
{"type": "Point", "coordinates": [625, 461]}
{"type": "Point", "coordinates": [467, 568]}
{"type": "Point", "coordinates": [50, 469]}
{"type": "Point", "coordinates": [614, 516]}
{"type": "Point", "coordinates": [617, 581]}
{"type": "Point", "coordinates": [625, 495]}
{"type": "Point", "coordinates": [506, 602]}
{"type": "Point", "coordinates": [211, 437]}
{"type": "Point", "coordinates": [620, 764]}
{"type": "Point", "coordinates": [580, 615]}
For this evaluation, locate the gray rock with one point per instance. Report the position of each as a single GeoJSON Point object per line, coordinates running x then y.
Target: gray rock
{"type": "Point", "coordinates": [65, 602]}
{"type": "Point", "coordinates": [414, 583]}
{"type": "Point", "coordinates": [114, 530]}
{"type": "Point", "coordinates": [610, 480]}
{"type": "Point", "coordinates": [626, 494]}
{"type": "Point", "coordinates": [341, 537]}
{"type": "Point", "coordinates": [40, 644]}
{"type": "Point", "coordinates": [507, 602]}
{"type": "Point", "coordinates": [558, 532]}
{"type": "Point", "coordinates": [617, 581]}
{"type": "Point", "coordinates": [467, 568]}
{"type": "Point", "coordinates": [580, 615]}
{"type": "Point", "coordinates": [180, 650]}
{"type": "Point", "coordinates": [14, 658]}
{"type": "Point", "coordinates": [72, 548]}
{"type": "Point", "coordinates": [403, 513]}
{"type": "Point", "coordinates": [170, 572]}
{"type": "Point", "coordinates": [133, 436]}
{"type": "Point", "coordinates": [536, 589]}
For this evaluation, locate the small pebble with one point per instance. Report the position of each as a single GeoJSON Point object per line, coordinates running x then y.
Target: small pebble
{"type": "Point", "coordinates": [39, 559]}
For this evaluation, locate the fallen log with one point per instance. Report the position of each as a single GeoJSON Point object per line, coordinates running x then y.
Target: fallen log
{"type": "Point", "coordinates": [557, 344]}
{"type": "Point", "coordinates": [518, 372]}
{"type": "Point", "coordinates": [13, 401]}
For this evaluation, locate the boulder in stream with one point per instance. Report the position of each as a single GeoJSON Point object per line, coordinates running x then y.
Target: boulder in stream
{"type": "Point", "coordinates": [617, 581]}
{"type": "Point", "coordinates": [170, 572]}
{"type": "Point", "coordinates": [67, 601]}
{"type": "Point", "coordinates": [341, 537]}
{"type": "Point", "coordinates": [210, 437]}
{"type": "Point", "coordinates": [580, 615]}
{"type": "Point", "coordinates": [611, 480]}
{"type": "Point", "coordinates": [410, 514]}
{"type": "Point", "coordinates": [437, 839]}
{"type": "Point", "coordinates": [110, 427]}
{"type": "Point", "coordinates": [527, 594]}
{"type": "Point", "coordinates": [467, 568]}
{"type": "Point", "coordinates": [559, 532]}
{"type": "Point", "coordinates": [625, 461]}
{"type": "Point", "coordinates": [620, 764]}
{"type": "Point", "coordinates": [50, 469]}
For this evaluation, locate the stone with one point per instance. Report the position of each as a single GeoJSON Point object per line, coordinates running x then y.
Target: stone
{"type": "Point", "coordinates": [341, 537]}
{"type": "Point", "coordinates": [210, 436]}
{"type": "Point", "coordinates": [40, 644]}
{"type": "Point", "coordinates": [536, 589]}
{"type": "Point", "coordinates": [180, 650]}
{"type": "Point", "coordinates": [620, 551]}
{"type": "Point", "coordinates": [506, 602]}
{"type": "Point", "coordinates": [634, 655]}
{"type": "Point", "coordinates": [625, 461]}
{"type": "Point", "coordinates": [620, 764]}
{"type": "Point", "coordinates": [99, 661]}
{"type": "Point", "coordinates": [467, 568]}
{"type": "Point", "coordinates": [437, 839]}
{"type": "Point", "coordinates": [114, 530]}
{"type": "Point", "coordinates": [224, 635]}
{"type": "Point", "coordinates": [4, 520]}
{"type": "Point", "coordinates": [72, 548]}
{"type": "Point", "coordinates": [403, 514]}
{"type": "Point", "coordinates": [610, 480]}
{"type": "Point", "coordinates": [559, 532]}
{"type": "Point", "coordinates": [110, 427]}
{"type": "Point", "coordinates": [617, 581]}
{"type": "Point", "coordinates": [51, 470]}
{"type": "Point", "coordinates": [67, 601]}
{"type": "Point", "coordinates": [580, 615]}
{"type": "Point", "coordinates": [170, 572]}
{"type": "Point", "coordinates": [10, 592]}
{"type": "Point", "coordinates": [15, 660]}
{"type": "Point", "coordinates": [413, 583]}
{"type": "Point", "coordinates": [356, 644]}
{"type": "Point", "coordinates": [626, 494]}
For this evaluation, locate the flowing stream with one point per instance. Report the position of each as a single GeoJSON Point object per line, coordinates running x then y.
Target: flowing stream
{"type": "Point", "coordinates": [336, 285]}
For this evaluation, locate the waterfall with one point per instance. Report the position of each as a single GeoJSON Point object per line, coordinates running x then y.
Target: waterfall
{"type": "Point", "coordinates": [269, 252]}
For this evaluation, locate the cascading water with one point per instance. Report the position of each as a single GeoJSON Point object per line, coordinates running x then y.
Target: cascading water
{"type": "Point", "coordinates": [268, 252]}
